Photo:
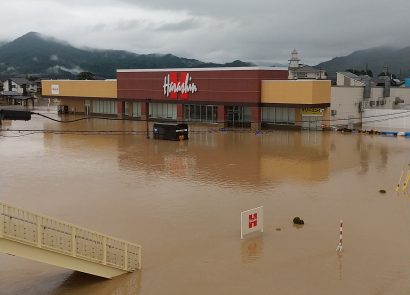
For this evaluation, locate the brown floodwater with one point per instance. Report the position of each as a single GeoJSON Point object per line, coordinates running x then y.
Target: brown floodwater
{"type": "Point", "coordinates": [182, 201]}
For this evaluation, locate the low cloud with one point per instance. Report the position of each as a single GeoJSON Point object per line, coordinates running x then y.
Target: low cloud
{"type": "Point", "coordinates": [54, 57]}
{"type": "Point", "coordinates": [57, 69]}
{"type": "Point", "coordinates": [258, 31]}
{"type": "Point", "coordinates": [186, 25]}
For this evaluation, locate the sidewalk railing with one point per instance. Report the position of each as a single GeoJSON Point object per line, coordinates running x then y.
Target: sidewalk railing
{"type": "Point", "coordinates": [47, 233]}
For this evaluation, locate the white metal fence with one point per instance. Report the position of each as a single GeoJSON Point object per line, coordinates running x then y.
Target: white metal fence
{"type": "Point", "coordinates": [47, 233]}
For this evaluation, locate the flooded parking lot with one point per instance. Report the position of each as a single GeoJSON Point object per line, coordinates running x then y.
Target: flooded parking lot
{"type": "Point", "coordinates": [182, 201]}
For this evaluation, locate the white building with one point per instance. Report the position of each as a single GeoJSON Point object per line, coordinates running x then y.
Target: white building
{"type": "Point", "coordinates": [354, 105]}
{"type": "Point", "coordinates": [21, 86]}
{"type": "Point", "coordinates": [349, 79]}
{"type": "Point", "coordinates": [301, 71]}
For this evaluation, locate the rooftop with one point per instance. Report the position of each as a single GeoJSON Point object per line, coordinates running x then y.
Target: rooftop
{"type": "Point", "coordinates": [306, 68]}
{"type": "Point", "coordinates": [204, 69]}
{"type": "Point", "coordinates": [20, 81]}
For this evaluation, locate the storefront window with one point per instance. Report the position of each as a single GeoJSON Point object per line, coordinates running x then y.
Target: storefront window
{"type": "Point", "coordinates": [201, 113]}
{"type": "Point", "coordinates": [108, 107]}
{"type": "Point", "coordinates": [278, 115]}
{"type": "Point", "coordinates": [163, 111]}
{"type": "Point", "coordinates": [238, 116]}
{"type": "Point", "coordinates": [136, 109]}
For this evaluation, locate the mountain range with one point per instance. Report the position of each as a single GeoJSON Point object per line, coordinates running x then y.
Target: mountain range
{"type": "Point", "coordinates": [38, 55]}
{"type": "Point", "coordinates": [375, 59]}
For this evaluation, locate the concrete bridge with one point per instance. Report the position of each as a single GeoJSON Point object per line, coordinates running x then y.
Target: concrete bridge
{"type": "Point", "coordinates": [44, 239]}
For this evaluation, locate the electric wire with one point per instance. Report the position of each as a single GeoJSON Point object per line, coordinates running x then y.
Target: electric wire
{"type": "Point", "coordinates": [130, 119]}
{"type": "Point", "coordinates": [192, 131]}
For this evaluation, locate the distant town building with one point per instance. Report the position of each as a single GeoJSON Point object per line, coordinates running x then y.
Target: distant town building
{"type": "Point", "coordinates": [360, 99]}
{"type": "Point", "coordinates": [18, 85]}
{"type": "Point", "coordinates": [407, 82]}
{"type": "Point", "coordinates": [298, 70]}
{"type": "Point", "coordinates": [22, 86]}
{"type": "Point", "coordinates": [350, 79]}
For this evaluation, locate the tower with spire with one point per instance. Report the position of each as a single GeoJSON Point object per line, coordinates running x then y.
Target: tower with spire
{"type": "Point", "coordinates": [298, 70]}
{"type": "Point", "coordinates": [294, 60]}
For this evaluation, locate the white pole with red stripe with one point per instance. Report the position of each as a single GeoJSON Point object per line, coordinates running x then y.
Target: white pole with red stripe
{"type": "Point", "coordinates": [340, 246]}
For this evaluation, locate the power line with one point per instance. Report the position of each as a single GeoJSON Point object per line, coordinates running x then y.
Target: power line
{"type": "Point", "coordinates": [131, 119]}
{"type": "Point", "coordinates": [80, 119]}
{"type": "Point", "coordinates": [143, 132]}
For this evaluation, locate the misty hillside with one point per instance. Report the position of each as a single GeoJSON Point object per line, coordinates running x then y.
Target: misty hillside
{"type": "Point", "coordinates": [375, 59]}
{"type": "Point", "coordinates": [35, 54]}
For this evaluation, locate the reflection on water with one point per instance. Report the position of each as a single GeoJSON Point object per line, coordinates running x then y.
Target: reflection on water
{"type": "Point", "coordinates": [126, 284]}
{"type": "Point", "coordinates": [246, 159]}
{"type": "Point", "coordinates": [182, 202]}
{"type": "Point", "coordinates": [251, 249]}
{"type": "Point", "coordinates": [340, 261]}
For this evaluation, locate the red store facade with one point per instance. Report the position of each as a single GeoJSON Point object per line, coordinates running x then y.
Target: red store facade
{"type": "Point", "coordinates": [227, 96]}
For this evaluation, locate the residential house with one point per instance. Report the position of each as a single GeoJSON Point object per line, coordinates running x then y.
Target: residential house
{"type": "Point", "coordinates": [22, 86]}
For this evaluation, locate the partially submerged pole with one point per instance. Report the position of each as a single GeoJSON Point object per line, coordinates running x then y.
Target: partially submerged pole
{"type": "Point", "coordinates": [339, 247]}
{"type": "Point", "coordinates": [147, 115]}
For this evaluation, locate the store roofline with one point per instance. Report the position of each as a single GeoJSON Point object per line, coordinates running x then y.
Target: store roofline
{"type": "Point", "coordinates": [71, 80]}
{"type": "Point", "coordinates": [295, 80]}
{"type": "Point", "coordinates": [203, 69]}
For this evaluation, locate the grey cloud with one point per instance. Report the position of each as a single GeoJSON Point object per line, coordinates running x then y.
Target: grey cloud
{"type": "Point", "coordinates": [98, 27]}
{"type": "Point", "coordinates": [54, 57]}
{"type": "Point", "coordinates": [185, 25]}
{"type": "Point", "coordinates": [130, 24]}
{"type": "Point", "coordinates": [58, 68]}
{"type": "Point", "coordinates": [258, 31]}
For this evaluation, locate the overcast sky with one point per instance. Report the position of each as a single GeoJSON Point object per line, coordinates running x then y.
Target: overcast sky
{"type": "Point", "coordinates": [260, 31]}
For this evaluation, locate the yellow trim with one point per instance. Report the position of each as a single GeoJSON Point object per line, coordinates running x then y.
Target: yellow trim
{"type": "Point", "coordinates": [296, 91]}
{"type": "Point", "coordinates": [80, 88]}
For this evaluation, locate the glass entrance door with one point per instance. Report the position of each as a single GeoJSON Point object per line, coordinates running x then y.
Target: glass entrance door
{"type": "Point", "coordinates": [312, 122]}
{"type": "Point", "coordinates": [238, 116]}
{"type": "Point", "coordinates": [87, 107]}
{"type": "Point", "coordinates": [126, 108]}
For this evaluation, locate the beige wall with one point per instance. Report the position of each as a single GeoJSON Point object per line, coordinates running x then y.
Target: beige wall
{"type": "Point", "coordinates": [326, 117]}
{"type": "Point", "coordinates": [345, 101]}
{"type": "Point", "coordinates": [296, 91]}
{"type": "Point", "coordinates": [81, 88]}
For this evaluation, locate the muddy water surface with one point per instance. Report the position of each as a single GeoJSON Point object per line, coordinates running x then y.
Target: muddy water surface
{"type": "Point", "coordinates": [182, 201]}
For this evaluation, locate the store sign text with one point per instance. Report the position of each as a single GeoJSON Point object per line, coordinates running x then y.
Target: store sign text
{"type": "Point", "coordinates": [182, 85]}
{"type": "Point", "coordinates": [312, 111]}
{"type": "Point", "coordinates": [55, 89]}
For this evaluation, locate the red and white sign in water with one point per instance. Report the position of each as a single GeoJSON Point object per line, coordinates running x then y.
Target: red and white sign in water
{"type": "Point", "coordinates": [182, 85]}
{"type": "Point", "coordinates": [253, 220]}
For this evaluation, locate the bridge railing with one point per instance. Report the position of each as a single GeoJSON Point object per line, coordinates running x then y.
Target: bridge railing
{"type": "Point", "coordinates": [65, 238]}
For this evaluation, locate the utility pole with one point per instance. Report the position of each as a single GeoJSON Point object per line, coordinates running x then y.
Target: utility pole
{"type": "Point", "coordinates": [147, 115]}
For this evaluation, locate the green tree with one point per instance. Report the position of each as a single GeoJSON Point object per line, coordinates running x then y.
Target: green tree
{"type": "Point", "coordinates": [85, 76]}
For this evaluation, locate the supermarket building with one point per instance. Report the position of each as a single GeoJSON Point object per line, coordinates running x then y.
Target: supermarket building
{"type": "Point", "coordinates": [251, 97]}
